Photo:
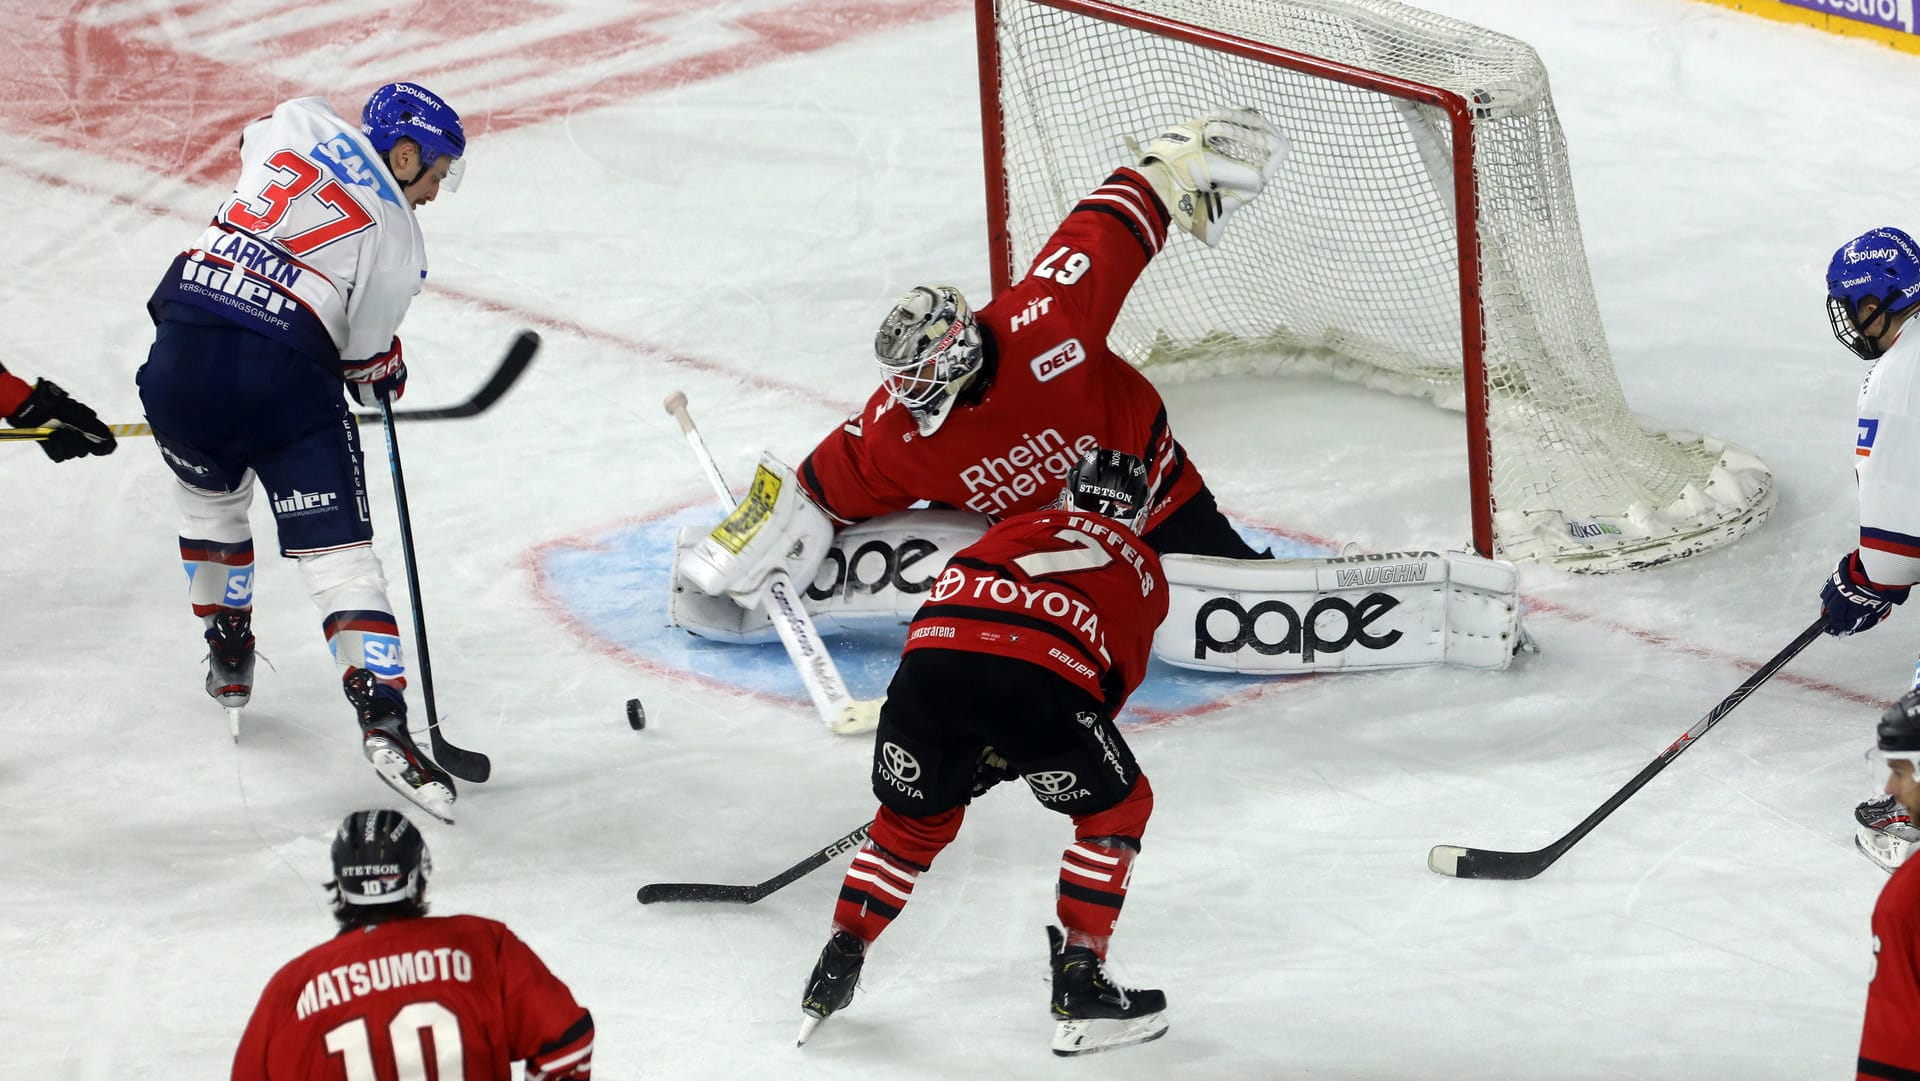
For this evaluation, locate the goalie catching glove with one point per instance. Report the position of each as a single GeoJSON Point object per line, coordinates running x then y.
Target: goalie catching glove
{"type": "Point", "coordinates": [1210, 166]}
{"type": "Point", "coordinates": [775, 528]}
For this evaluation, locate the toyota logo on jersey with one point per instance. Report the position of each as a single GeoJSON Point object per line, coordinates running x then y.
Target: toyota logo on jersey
{"type": "Point", "coordinates": [1052, 782]}
{"type": "Point", "coordinates": [899, 763]}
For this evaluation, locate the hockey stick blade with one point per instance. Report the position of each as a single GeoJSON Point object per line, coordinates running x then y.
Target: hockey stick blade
{"type": "Point", "coordinates": [512, 366]}
{"type": "Point", "coordinates": [462, 763]}
{"type": "Point", "coordinates": [746, 895]}
{"type": "Point", "coordinates": [1458, 861]}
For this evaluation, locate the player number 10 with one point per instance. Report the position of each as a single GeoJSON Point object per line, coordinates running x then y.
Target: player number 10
{"type": "Point", "coordinates": [350, 1042]}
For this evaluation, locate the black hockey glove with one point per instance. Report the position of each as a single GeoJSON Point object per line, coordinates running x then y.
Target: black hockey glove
{"type": "Point", "coordinates": [1852, 603]}
{"type": "Point", "coordinates": [76, 428]}
{"type": "Point", "coordinates": [991, 770]}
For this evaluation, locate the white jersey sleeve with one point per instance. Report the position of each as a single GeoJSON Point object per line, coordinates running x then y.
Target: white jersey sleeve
{"type": "Point", "coordinates": [316, 246]}
{"type": "Point", "coordinates": [1887, 463]}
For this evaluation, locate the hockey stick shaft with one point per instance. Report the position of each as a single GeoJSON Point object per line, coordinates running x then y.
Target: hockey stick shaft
{"type": "Point", "coordinates": [1461, 862]}
{"type": "Point", "coordinates": [838, 708]}
{"type": "Point", "coordinates": [746, 895]}
{"type": "Point", "coordinates": [511, 367]}
{"type": "Point", "coordinates": [464, 764]}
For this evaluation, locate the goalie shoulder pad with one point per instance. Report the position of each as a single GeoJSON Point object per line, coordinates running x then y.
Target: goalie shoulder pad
{"type": "Point", "coordinates": [1352, 613]}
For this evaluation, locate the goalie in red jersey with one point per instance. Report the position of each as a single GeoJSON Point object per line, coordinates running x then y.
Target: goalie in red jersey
{"type": "Point", "coordinates": [1028, 645]}
{"type": "Point", "coordinates": [1890, 1037]}
{"type": "Point", "coordinates": [397, 991]}
{"type": "Point", "coordinates": [989, 410]}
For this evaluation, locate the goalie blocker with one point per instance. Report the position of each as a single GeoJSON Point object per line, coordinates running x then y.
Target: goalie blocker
{"type": "Point", "coordinates": [1290, 616]}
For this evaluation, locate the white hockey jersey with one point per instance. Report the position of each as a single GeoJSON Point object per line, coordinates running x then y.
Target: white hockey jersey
{"type": "Point", "coordinates": [1887, 463]}
{"type": "Point", "coordinates": [316, 247]}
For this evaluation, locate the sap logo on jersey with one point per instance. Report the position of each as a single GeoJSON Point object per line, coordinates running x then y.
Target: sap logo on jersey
{"type": "Point", "coordinates": [380, 654]}
{"type": "Point", "coordinates": [1058, 359]}
{"type": "Point", "coordinates": [1301, 636]}
{"type": "Point", "coordinates": [342, 157]}
{"type": "Point", "coordinates": [239, 588]}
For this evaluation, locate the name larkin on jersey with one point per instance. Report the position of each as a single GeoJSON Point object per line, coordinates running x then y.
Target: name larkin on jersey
{"type": "Point", "coordinates": [342, 985]}
{"type": "Point", "coordinates": [995, 484]}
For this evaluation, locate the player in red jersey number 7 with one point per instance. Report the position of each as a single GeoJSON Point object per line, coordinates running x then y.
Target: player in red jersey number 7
{"type": "Point", "coordinates": [1890, 1036]}
{"type": "Point", "coordinates": [398, 995]}
{"type": "Point", "coordinates": [1027, 646]}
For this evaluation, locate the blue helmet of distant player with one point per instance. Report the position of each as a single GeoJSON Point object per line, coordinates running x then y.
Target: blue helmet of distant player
{"type": "Point", "coordinates": [1881, 265]}
{"type": "Point", "coordinates": [409, 110]}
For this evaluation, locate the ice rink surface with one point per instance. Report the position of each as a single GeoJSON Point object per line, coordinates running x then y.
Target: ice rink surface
{"type": "Point", "coordinates": [724, 200]}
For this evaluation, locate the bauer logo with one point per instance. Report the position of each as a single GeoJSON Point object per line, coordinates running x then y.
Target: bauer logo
{"type": "Point", "coordinates": [1059, 359]}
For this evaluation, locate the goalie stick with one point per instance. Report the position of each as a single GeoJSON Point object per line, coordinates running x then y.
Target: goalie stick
{"type": "Point", "coordinates": [511, 367]}
{"type": "Point", "coordinates": [1461, 862]}
{"type": "Point", "coordinates": [746, 895]}
{"type": "Point", "coordinates": [844, 714]}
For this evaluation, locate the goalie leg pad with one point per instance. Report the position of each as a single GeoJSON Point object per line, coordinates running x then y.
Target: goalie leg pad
{"type": "Point", "coordinates": [1353, 613]}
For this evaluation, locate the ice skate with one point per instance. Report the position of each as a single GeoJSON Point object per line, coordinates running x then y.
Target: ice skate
{"type": "Point", "coordinates": [1885, 834]}
{"type": "Point", "coordinates": [230, 663]}
{"type": "Point", "coordinates": [390, 747]}
{"type": "Point", "coordinates": [831, 986]}
{"type": "Point", "coordinates": [1093, 1012]}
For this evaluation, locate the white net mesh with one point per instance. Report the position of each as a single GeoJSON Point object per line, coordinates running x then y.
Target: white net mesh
{"type": "Point", "coordinates": [1348, 263]}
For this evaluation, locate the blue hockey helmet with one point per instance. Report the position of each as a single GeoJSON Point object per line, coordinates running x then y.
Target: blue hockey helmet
{"type": "Point", "coordinates": [1882, 264]}
{"type": "Point", "coordinates": [412, 111]}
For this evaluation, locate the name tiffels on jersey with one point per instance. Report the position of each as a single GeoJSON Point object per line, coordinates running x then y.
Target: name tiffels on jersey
{"type": "Point", "coordinates": [342, 985]}
{"type": "Point", "coordinates": [996, 483]}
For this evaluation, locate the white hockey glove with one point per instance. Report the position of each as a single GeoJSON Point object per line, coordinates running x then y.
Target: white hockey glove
{"type": "Point", "coordinates": [1208, 167]}
{"type": "Point", "coordinates": [775, 528]}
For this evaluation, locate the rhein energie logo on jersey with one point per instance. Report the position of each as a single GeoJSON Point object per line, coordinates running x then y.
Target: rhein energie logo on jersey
{"type": "Point", "coordinates": [1037, 463]}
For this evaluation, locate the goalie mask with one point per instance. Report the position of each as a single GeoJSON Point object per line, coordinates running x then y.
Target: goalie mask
{"type": "Point", "coordinates": [1882, 265]}
{"type": "Point", "coordinates": [379, 859]}
{"type": "Point", "coordinates": [1110, 483]}
{"type": "Point", "coordinates": [928, 348]}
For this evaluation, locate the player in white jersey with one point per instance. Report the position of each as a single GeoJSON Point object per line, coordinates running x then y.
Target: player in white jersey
{"type": "Point", "coordinates": [1873, 288]}
{"type": "Point", "coordinates": [296, 290]}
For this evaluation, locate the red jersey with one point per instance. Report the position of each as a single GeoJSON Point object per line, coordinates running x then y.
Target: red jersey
{"type": "Point", "coordinates": [382, 1003]}
{"type": "Point", "coordinates": [1890, 1039]}
{"type": "Point", "coordinates": [1057, 390]}
{"type": "Point", "coordinates": [1074, 593]}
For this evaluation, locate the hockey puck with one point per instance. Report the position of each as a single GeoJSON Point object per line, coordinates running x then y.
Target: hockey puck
{"type": "Point", "coordinates": [636, 717]}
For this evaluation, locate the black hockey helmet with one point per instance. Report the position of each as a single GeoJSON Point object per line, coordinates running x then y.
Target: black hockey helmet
{"type": "Point", "coordinates": [1111, 483]}
{"type": "Point", "coordinates": [379, 859]}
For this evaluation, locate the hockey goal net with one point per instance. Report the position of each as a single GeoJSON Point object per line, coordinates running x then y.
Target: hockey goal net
{"type": "Point", "coordinates": [1421, 238]}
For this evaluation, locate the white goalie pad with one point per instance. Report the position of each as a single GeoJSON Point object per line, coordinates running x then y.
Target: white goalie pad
{"type": "Point", "coordinates": [776, 527]}
{"type": "Point", "coordinates": [875, 574]}
{"type": "Point", "coordinates": [1352, 613]}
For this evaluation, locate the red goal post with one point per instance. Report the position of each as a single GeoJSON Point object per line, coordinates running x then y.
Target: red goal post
{"type": "Point", "coordinates": [1422, 239]}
